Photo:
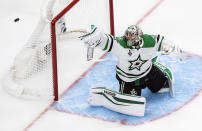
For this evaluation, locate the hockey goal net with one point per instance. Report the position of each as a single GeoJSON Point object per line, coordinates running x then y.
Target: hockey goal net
{"type": "Point", "coordinates": [49, 59]}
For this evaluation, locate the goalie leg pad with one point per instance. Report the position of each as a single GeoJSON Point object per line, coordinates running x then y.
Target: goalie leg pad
{"type": "Point", "coordinates": [164, 73]}
{"type": "Point", "coordinates": [115, 101]}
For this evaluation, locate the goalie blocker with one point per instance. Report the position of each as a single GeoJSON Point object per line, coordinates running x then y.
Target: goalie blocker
{"type": "Point", "coordinates": [122, 103]}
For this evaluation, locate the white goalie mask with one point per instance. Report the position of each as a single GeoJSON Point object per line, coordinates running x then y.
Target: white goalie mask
{"type": "Point", "coordinates": [133, 35]}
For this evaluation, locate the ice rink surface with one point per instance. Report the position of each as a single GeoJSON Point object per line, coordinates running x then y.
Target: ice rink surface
{"type": "Point", "coordinates": [180, 21]}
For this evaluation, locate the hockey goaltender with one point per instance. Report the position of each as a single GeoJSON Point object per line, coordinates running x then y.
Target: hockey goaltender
{"type": "Point", "coordinates": [137, 68]}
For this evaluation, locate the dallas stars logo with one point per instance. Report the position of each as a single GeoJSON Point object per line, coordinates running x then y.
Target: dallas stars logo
{"type": "Point", "coordinates": [136, 64]}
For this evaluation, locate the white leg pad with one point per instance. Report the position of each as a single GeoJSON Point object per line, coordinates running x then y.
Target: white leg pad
{"type": "Point", "coordinates": [115, 101]}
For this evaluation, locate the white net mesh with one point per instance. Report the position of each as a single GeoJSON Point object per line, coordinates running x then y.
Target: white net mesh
{"type": "Point", "coordinates": [31, 74]}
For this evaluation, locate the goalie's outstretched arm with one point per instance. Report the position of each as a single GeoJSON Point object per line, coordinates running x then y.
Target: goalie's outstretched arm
{"type": "Point", "coordinates": [96, 38]}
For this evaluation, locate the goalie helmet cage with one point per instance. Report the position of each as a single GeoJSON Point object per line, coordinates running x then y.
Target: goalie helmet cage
{"type": "Point", "coordinates": [34, 73]}
{"type": "Point", "coordinates": [53, 40]}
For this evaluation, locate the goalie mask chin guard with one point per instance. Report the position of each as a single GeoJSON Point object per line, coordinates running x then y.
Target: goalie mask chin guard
{"type": "Point", "coordinates": [133, 35]}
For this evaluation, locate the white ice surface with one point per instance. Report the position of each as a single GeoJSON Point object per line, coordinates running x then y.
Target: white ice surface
{"type": "Point", "coordinates": [179, 20]}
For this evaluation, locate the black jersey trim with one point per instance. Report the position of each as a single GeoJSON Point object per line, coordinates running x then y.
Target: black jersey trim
{"type": "Point", "coordinates": [111, 45]}
{"type": "Point", "coordinates": [158, 37]}
{"type": "Point", "coordinates": [160, 43]}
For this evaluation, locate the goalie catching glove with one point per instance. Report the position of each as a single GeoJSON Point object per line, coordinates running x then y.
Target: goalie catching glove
{"type": "Point", "coordinates": [115, 101]}
{"type": "Point", "coordinates": [93, 38]}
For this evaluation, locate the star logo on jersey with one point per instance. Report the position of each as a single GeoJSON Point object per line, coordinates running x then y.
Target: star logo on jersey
{"type": "Point", "coordinates": [136, 64]}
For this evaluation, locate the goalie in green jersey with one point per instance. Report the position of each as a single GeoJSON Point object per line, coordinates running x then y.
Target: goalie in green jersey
{"type": "Point", "coordinates": [137, 67]}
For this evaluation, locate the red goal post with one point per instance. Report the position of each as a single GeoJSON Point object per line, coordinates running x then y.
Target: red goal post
{"type": "Point", "coordinates": [53, 39]}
